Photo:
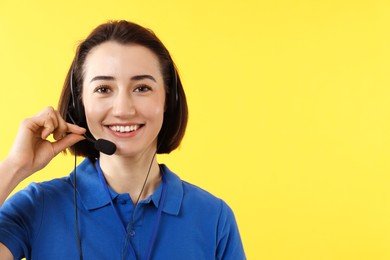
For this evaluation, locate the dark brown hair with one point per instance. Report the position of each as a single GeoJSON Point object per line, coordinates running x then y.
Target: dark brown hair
{"type": "Point", "coordinates": [124, 32]}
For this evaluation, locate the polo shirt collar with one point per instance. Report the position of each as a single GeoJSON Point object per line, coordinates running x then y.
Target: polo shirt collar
{"type": "Point", "coordinates": [89, 187]}
{"type": "Point", "coordinates": [174, 193]}
{"type": "Point", "coordinates": [93, 195]}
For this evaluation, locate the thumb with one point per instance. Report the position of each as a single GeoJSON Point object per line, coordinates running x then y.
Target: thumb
{"type": "Point", "coordinates": [66, 142]}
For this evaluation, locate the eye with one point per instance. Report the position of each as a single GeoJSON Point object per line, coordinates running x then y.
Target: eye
{"type": "Point", "coordinates": [142, 88]}
{"type": "Point", "coordinates": [102, 89]}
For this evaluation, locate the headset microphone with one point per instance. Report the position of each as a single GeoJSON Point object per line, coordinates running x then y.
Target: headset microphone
{"type": "Point", "coordinates": [102, 145]}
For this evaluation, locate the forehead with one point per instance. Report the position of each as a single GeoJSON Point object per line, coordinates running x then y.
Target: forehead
{"type": "Point", "coordinates": [112, 57]}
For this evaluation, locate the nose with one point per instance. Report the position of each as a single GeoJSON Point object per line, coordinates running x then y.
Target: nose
{"type": "Point", "coordinates": [123, 105]}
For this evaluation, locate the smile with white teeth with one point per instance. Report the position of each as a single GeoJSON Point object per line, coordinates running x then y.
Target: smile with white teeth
{"type": "Point", "coordinates": [124, 129]}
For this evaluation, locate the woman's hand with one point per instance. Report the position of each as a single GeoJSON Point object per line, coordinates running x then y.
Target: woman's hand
{"type": "Point", "coordinates": [32, 151]}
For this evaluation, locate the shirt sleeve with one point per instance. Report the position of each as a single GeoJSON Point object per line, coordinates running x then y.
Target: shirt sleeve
{"type": "Point", "coordinates": [229, 244]}
{"type": "Point", "coordinates": [18, 220]}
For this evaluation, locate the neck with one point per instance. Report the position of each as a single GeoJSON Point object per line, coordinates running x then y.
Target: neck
{"type": "Point", "coordinates": [128, 175]}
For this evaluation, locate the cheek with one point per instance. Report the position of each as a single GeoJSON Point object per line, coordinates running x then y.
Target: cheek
{"type": "Point", "coordinates": [154, 112]}
{"type": "Point", "coordinates": [154, 107]}
{"type": "Point", "coordinates": [159, 110]}
{"type": "Point", "coordinates": [94, 106]}
{"type": "Point", "coordinates": [88, 110]}
{"type": "Point", "coordinates": [91, 118]}
{"type": "Point", "coordinates": [93, 110]}
{"type": "Point", "coordinates": [93, 113]}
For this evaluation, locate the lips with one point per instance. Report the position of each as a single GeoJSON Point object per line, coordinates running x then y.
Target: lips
{"type": "Point", "coordinates": [124, 128]}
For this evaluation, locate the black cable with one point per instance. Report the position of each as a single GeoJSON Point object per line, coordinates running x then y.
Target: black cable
{"type": "Point", "coordinates": [76, 208]}
{"type": "Point", "coordinates": [135, 204]}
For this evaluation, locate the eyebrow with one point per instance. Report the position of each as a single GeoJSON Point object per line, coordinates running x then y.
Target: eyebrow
{"type": "Point", "coordinates": [141, 77]}
{"type": "Point", "coordinates": [102, 78]}
{"type": "Point", "coordinates": [137, 77]}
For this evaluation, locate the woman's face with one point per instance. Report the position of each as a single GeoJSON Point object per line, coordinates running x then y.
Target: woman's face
{"type": "Point", "coordinates": [124, 96]}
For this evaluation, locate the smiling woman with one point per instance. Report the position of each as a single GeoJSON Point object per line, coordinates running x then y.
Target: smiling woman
{"type": "Point", "coordinates": [122, 88]}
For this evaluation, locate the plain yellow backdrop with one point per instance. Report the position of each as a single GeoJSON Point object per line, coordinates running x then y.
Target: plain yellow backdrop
{"type": "Point", "coordinates": [289, 109]}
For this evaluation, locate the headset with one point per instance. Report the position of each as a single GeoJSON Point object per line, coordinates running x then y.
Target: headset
{"type": "Point", "coordinates": [77, 115]}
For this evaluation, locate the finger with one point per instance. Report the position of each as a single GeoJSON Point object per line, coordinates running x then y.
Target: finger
{"type": "Point", "coordinates": [66, 142]}
{"type": "Point", "coordinates": [39, 125]}
{"type": "Point", "coordinates": [50, 121]}
{"type": "Point", "coordinates": [76, 129]}
{"type": "Point", "coordinates": [65, 127]}
{"type": "Point", "coordinates": [62, 127]}
{"type": "Point", "coordinates": [44, 111]}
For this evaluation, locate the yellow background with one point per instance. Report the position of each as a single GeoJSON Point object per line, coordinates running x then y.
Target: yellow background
{"type": "Point", "coordinates": [289, 109]}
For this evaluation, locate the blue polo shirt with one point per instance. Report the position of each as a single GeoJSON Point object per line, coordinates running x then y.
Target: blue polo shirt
{"type": "Point", "coordinates": [39, 221]}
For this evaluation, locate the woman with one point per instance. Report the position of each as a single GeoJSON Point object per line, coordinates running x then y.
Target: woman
{"type": "Point", "coordinates": [119, 203]}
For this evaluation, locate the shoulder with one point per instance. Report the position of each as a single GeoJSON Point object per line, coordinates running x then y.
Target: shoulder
{"type": "Point", "coordinates": [35, 195]}
{"type": "Point", "coordinates": [37, 189]}
{"type": "Point", "coordinates": [27, 205]}
{"type": "Point", "coordinates": [197, 194]}
{"type": "Point", "coordinates": [194, 198]}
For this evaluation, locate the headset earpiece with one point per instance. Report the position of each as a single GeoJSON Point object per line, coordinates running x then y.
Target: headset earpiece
{"type": "Point", "coordinates": [174, 86]}
{"type": "Point", "coordinates": [73, 108]}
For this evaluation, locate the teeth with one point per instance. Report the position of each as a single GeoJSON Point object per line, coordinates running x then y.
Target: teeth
{"type": "Point", "coordinates": [124, 129]}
